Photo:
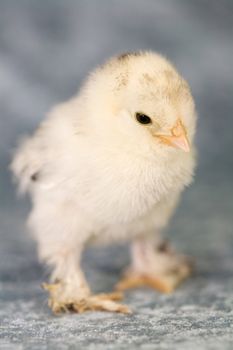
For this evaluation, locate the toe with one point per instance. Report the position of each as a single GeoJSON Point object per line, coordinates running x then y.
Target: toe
{"type": "Point", "coordinates": [97, 302]}
{"type": "Point", "coordinates": [115, 296]}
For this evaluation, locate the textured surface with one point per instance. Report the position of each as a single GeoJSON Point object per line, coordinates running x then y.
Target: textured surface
{"type": "Point", "coordinates": [46, 49]}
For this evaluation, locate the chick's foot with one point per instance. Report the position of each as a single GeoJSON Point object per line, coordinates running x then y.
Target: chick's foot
{"type": "Point", "coordinates": [61, 301]}
{"type": "Point", "coordinates": [161, 269]}
{"type": "Point", "coordinates": [164, 283]}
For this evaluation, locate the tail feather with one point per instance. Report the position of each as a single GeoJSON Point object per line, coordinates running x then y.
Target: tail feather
{"type": "Point", "coordinates": [26, 164]}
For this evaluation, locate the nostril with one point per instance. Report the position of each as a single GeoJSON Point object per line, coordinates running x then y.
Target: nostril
{"type": "Point", "coordinates": [178, 129]}
{"type": "Point", "coordinates": [175, 131]}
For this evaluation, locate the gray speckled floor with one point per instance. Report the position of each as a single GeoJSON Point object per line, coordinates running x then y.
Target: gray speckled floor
{"type": "Point", "coordinates": [46, 48]}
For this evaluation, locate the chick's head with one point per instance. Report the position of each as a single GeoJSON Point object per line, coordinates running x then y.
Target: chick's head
{"type": "Point", "coordinates": [139, 99]}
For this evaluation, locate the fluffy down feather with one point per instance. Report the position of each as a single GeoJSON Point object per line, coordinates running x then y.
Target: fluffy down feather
{"type": "Point", "coordinates": [95, 174]}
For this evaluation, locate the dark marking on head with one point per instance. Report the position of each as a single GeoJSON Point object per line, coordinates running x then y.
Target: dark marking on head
{"type": "Point", "coordinates": [148, 78]}
{"type": "Point", "coordinates": [34, 177]}
{"type": "Point", "coordinates": [121, 80]}
{"type": "Point", "coordinates": [127, 55]}
{"type": "Point", "coordinates": [169, 74]}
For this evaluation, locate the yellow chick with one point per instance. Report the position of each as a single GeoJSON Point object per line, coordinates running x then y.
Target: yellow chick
{"type": "Point", "coordinates": [110, 165]}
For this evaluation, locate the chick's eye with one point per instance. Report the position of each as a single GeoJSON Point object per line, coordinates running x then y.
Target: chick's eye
{"type": "Point", "coordinates": [143, 118]}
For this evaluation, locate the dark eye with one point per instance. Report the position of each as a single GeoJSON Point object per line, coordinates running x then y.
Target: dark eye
{"type": "Point", "coordinates": [143, 118]}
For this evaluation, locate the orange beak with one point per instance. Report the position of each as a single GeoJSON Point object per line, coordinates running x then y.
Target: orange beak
{"type": "Point", "coordinates": [178, 137]}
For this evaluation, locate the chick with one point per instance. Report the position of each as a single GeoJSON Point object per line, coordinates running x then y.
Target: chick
{"type": "Point", "coordinates": [110, 165]}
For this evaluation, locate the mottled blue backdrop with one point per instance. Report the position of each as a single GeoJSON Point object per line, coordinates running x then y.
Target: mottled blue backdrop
{"type": "Point", "coordinates": [46, 50]}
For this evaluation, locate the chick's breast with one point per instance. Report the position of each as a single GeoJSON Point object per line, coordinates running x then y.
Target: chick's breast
{"type": "Point", "coordinates": [119, 188]}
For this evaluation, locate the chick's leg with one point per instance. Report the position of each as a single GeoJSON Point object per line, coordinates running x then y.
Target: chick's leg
{"type": "Point", "coordinates": [155, 264]}
{"type": "Point", "coordinates": [61, 233]}
{"type": "Point", "coordinates": [69, 291]}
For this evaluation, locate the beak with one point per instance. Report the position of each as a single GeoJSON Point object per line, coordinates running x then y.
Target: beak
{"type": "Point", "coordinates": [178, 137]}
